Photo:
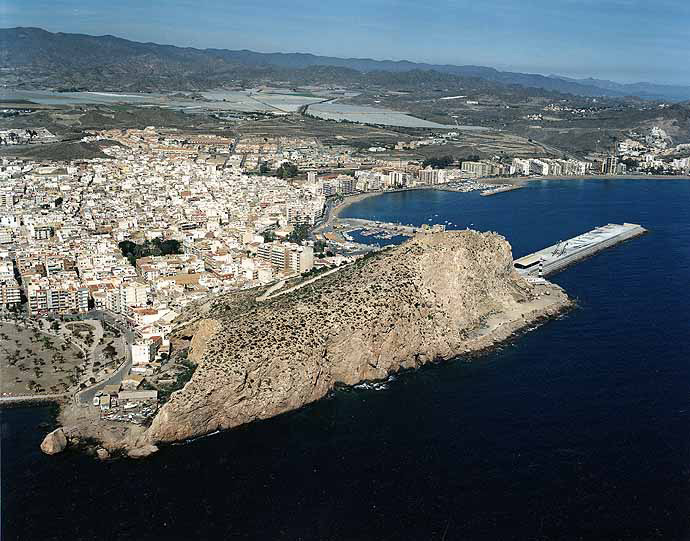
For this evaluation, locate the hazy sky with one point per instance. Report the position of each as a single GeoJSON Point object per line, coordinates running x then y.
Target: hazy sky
{"type": "Point", "coordinates": [623, 40]}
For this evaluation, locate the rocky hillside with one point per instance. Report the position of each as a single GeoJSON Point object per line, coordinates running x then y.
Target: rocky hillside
{"type": "Point", "coordinates": [433, 298]}
{"type": "Point", "coordinates": [38, 58]}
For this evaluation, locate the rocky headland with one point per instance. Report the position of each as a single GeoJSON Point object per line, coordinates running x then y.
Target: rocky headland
{"type": "Point", "coordinates": [435, 297]}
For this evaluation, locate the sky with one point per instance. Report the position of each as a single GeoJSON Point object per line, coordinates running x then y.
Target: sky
{"type": "Point", "coordinates": [621, 40]}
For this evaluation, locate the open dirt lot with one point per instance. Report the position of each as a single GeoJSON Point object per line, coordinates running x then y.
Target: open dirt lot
{"type": "Point", "coordinates": [34, 362]}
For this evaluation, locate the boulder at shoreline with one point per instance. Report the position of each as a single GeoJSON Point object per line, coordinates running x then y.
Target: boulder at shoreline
{"type": "Point", "coordinates": [55, 442]}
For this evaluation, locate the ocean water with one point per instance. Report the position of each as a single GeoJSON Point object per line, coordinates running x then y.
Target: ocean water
{"type": "Point", "coordinates": [579, 429]}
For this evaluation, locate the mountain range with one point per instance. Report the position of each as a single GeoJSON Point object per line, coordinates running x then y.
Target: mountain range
{"type": "Point", "coordinates": [38, 58]}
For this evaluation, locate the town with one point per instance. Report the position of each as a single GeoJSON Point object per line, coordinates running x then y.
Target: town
{"type": "Point", "coordinates": [100, 256]}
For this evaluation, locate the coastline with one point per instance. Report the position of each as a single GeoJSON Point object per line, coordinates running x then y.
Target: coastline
{"type": "Point", "coordinates": [351, 199]}
{"type": "Point", "coordinates": [356, 198]}
{"type": "Point", "coordinates": [501, 180]}
{"type": "Point", "coordinates": [549, 302]}
{"type": "Point", "coordinates": [207, 404]}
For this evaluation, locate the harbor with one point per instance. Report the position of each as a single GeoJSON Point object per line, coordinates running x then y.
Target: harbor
{"type": "Point", "coordinates": [356, 235]}
{"type": "Point", "coordinates": [375, 228]}
{"type": "Point", "coordinates": [558, 256]}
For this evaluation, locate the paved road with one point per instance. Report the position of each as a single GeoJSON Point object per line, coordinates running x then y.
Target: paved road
{"type": "Point", "coordinates": [85, 397]}
{"type": "Point", "coordinates": [116, 321]}
{"type": "Point", "coordinates": [268, 296]}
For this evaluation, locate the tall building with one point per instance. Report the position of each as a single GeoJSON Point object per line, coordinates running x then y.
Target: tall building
{"type": "Point", "coordinates": [120, 299]}
{"type": "Point", "coordinates": [477, 169]}
{"type": "Point", "coordinates": [6, 199]}
{"type": "Point", "coordinates": [538, 167]}
{"type": "Point", "coordinates": [62, 293]}
{"type": "Point", "coordinates": [346, 184]}
{"type": "Point", "coordinates": [9, 287]}
{"type": "Point", "coordinates": [398, 179]}
{"type": "Point", "coordinates": [432, 176]}
{"type": "Point", "coordinates": [10, 293]}
{"type": "Point", "coordinates": [287, 256]}
{"type": "Point", "coordinates": [521, 166]}
{"type": "Point", "coordinates": [301, 259]}
{"type": "Point", "coordinates": [609, 165]}
{"type": "Point", "coordinates": [6, 235]}
{"type": "Point", "coordinates": [329, 188]}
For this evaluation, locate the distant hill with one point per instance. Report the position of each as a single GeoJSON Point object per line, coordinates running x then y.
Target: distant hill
{"type": "Point", "coordinates": [40, 58]}
{"type": "Point", "coordinates": [642, 90]}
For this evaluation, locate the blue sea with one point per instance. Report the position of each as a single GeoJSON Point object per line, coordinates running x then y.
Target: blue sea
{"type": "Point", "coordinates": [579, 429]}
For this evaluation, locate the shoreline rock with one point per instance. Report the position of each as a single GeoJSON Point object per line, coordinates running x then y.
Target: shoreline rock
{"type": "Point", "coordinates": [54, 442]}
{"type": "Point", "coordinates": [142, 452]}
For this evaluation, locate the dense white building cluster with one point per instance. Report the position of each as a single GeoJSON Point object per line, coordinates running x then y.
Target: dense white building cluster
{"type": "Point", "coordinates": [61, 227]}
{"type": "Point", "coordinates": [654, 151]}
{"type": "Point", "coordinates": [549, 166]}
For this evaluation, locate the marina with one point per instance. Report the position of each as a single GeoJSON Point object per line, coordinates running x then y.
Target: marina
{"type": "Point", "coordinates": [558, 256]}
{"type": "Point", "coordinates": [373, 228]}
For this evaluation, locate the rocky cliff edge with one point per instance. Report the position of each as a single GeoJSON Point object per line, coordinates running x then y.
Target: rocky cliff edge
{"type": "Point", "coordinates": [435, 297]}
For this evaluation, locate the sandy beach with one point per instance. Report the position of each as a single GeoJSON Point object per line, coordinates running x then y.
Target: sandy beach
{"type": "Point", "coordinates": [349, 200]}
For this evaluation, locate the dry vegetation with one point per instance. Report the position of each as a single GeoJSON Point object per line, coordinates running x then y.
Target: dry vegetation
{"type": "Point", "coordinates": [34, 362]}
{"type": "Point", "coordinates": [426, 300]}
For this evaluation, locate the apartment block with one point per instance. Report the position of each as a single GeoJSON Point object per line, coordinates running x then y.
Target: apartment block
{"type": "Point", "coordinates": [62, 293]}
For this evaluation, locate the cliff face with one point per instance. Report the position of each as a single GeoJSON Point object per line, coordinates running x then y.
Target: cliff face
{"type": "Point", "coordinates": [430, 299]}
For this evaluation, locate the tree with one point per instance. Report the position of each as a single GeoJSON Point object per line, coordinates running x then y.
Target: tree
{"type": "Point", "coordinates": [287, 170]}
{"type": "Point", "coordinates": [109, 351]}
{"type": "Point", "coordinates": [300, 232]}
{"type": "Point", "coordinates": [439, 162]}
{"type": "Point", "coordinates": [263, 168]}
{"type": "Point", "coordinates": [133, 251]}
{"type": "Point", "coordinates": [169, 247]}
{"type": "Point", "coordinates": [631, 163]}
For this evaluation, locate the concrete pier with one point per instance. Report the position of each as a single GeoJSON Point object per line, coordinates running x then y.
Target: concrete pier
{"type": "Point", "coordinates": [500, 189]}
{"type": "Point", "coordinates": [557, 257]}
